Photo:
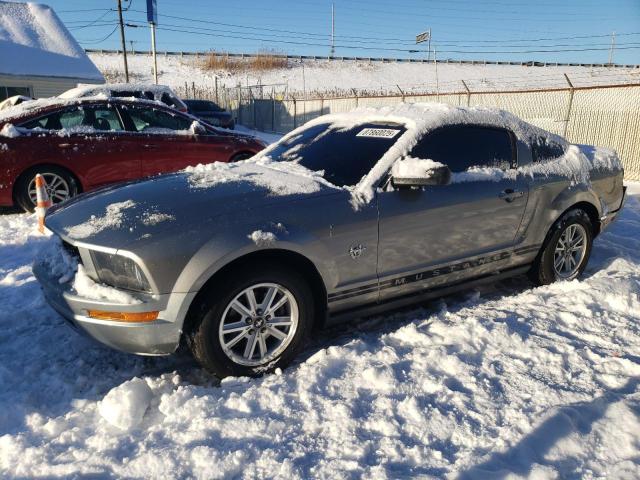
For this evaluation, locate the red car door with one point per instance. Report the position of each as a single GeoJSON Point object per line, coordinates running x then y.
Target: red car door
{"type": "Point", "coordinates": [87, 141]}
{"type": "Point", "coordinates": [168, 140]}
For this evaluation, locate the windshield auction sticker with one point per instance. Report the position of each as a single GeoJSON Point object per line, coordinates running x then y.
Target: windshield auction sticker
{"type": "Point", "coordinates": [378, 132]}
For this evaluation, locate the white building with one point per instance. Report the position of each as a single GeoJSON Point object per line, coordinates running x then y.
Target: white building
{"type": "Point", "coordinates": [38, 55]}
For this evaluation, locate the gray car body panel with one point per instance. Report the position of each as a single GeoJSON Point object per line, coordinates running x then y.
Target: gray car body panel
{"type": "Point", "coordinates": [399, 236]}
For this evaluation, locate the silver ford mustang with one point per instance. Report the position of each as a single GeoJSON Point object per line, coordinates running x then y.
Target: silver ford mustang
{"type": "Point", "coordinates": [348, 215]}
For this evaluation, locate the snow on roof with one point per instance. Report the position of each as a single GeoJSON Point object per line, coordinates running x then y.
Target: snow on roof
{"type": "Point", "coordinates": [33, 41]}
{"type": "Point", "coordinates": [107, 88]}
{"type": "Point", "coordinates": [417, 118]}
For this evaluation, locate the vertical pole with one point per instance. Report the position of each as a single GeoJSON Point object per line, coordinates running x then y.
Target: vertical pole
{"type": "Point", "coordinates": [153, 51]}
{"type": "Point", "coordinates": [468, 92]}
{"type": "Point", "coordinates": [429, 52]}
{"type": "Point", "coordinates": [613, 47]}
{"type": "Point", "coordinates": [435, 63]}
{"type": "Point", "coordinates": [239, 105]}
{"type": "Point", "coordinates": [333, 29]}
{"type": "Point", "coordinates": [216, 83]}
{"type": "Point", "coordinates": [295, 113]}
{"type": "Point", "coordinates": [569, 105]}
{"type": "Point", "coordinates": [124, 43]}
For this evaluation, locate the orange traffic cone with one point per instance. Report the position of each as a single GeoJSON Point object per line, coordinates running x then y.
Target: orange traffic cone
{"type": "Point", "coordinates": [43, 201]}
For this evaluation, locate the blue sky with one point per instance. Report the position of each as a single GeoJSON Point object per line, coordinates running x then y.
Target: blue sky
{"type": "Point", "coordinates": [461, 29]}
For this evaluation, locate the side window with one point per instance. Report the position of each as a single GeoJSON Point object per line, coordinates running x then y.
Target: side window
{"type": "Point", "coordinates": [461, 147]}
{"type": "Point", "coordinates": [106, 119]}
{"type": "Point", "coordinates": [98, 118]}
{"type": "Point", "coordinates": [542, 148]}
{"type": "Point", "coordinates": [151, 120]}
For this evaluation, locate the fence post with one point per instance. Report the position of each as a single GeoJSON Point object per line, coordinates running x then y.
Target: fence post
{"type": "Point", "coordinates": [355, 94]}
{"type": "Point", "coordinates": [216, 83]}
{"type": "Point", "coordinates": [295, 113]}
{"type": "Point", "coordinates": [239, 104]}
{"type": "Point", "coordinates": [273, 110]}
{"type": "Point", "coordinates": [401, 92]}
{"type": "Point", "coordinates": [569, 105]}
{"type": "Point", "coordinates": [468, 92]}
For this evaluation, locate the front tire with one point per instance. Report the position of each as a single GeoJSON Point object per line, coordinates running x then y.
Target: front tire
{"type": "Point", "coordinates": [566, 250]}
{"type": "Point", "coordinates": [252, 323]}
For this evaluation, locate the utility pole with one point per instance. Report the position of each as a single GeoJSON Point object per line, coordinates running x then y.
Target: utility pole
{"type": "Point", "coordinates": [155, 60]}
{"type": "Point", "coordinates": [429, 54]}
{"type": "Point", "coordinates": [124, 44]}
{"type": "Point", "coordinates": [613, 47]}
{"type": "Point", "coordinates": [333, 29]}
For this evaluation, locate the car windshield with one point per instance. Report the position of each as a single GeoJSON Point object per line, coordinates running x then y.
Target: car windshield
{"type": "Point", "coordinates": [343, 155]}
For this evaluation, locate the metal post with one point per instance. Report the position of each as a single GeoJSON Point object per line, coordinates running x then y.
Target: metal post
{"type": "Point", "coordinates": [295, 113]}
{"type": "Point", "coordinates": [333, 29]}
{"type": "Point", "coordinates": [216, 83]}
{"type": "Point", "coordinates": [569, 105]}
{"type": "Point", "coordinates": [401, 92]}
{"type": "Point", "coordinates": [153, 50]}
{"type": "Point", "coordinates": [273, 109]}
{"type": "Point", "coordinates": [239, 105]}
{"type": "Point", "coordinates": [124, 43]}
{"type": "Point", "coordinates": [613, 47]}
{"type": "Point", "coordinates": [468, 92]}
{"type": "Point", "coordinates": [429, 53]}
{"type": "Point", "coordinates": [435, 63]}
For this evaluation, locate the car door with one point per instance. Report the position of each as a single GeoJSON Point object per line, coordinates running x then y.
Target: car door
{"type": "Point", "coordinates": [446, 233]}
{"type": "Point", "coordinates": [86, 139]}
{"type": "Point", "coordinates": [165, 139]}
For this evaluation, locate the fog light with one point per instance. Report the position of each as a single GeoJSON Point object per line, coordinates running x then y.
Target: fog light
{"type": "Point", "coordinates": [124, 316]}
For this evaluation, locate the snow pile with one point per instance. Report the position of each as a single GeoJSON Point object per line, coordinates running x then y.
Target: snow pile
{"type": "Point", "coordinates": [33, 41]}
{"type": "Point", "coordinates": [410, 167]}
{"type": "Point", "coordinates": [114, 214]}
{"type": "Point", "coordinates": [9, 131]}
{"type": "Point", "coordinates": [56, 260]}
{"type": "Point", "coordinates": [507, 381]}
{"type": "Point", "coordinates": [261, 238]}
{"type": "Point", "coordinates": [125, 405]}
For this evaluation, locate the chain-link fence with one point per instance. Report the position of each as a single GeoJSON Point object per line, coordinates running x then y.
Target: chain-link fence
{"type": "Point", "coordinates": [607, 116]}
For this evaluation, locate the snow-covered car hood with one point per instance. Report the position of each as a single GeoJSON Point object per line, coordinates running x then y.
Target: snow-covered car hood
{"type": "Point", "coordinates": [118, 215]}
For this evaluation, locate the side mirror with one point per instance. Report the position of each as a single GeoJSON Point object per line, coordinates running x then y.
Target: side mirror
{"type": "Point", "coordinates": [197, 129]}
{"type": "Point", "coordinates": [417, 172]}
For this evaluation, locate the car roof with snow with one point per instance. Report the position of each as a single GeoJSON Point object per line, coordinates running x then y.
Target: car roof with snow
{"type": "Point", "coordinates": [44, 105]}
{"type": "Point", "coordinates": [417, 119]}
{"type": "Point", "coordinates": [106, 88]}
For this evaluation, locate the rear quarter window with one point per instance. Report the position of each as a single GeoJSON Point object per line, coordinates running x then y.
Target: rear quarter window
{"type": "Point", "coordinates": [543, 148]}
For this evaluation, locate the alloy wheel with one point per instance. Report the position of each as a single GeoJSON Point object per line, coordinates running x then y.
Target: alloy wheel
{"type": "Point", "coordinates": [570, 251]}
{"type": "Point", "coordinates": [57, 188]}
{"type": "Point", "coordinates": [258, 324]}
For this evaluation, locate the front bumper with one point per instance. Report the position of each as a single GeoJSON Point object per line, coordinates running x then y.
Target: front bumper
{"type": "Point", "coordinates": [160, 337]}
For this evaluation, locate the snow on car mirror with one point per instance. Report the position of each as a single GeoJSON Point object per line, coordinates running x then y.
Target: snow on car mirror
{"type": "Point", "coordinates": [196, 128]}
{"type": "Point", "coordinates": [418, 172]}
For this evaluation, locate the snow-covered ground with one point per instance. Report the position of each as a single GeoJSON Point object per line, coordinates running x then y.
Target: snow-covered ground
{"type": "Point", "coordinates": [329, 77]}
{"type": "Point", "coordinates": [507, 381]}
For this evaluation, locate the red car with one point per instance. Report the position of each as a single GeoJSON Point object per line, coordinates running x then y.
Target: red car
{"type": "Point", "coordinates": [83, 144]}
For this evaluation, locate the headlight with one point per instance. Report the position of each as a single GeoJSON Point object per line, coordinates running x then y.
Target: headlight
{"type": "Point", "coordinates": [119, 272]}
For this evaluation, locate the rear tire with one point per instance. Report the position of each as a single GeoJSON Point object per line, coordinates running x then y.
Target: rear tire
{"type": "Point", "coordinates": [241, 156]}
{"type": "Point", "coordinates": [61, 185]}
{"type": "Point", "coordinates": [230, 337]}
{"type": "Point", "coordinates": [566, 250]}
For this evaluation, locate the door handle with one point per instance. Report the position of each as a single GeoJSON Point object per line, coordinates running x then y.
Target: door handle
{"type": "Point", "coordinates": [149, 146]}
{"type": "Point", "coordinates": [509, 195]}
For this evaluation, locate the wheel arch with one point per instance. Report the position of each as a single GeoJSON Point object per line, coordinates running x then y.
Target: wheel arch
{"type": "Point", "coordinates": [590, 209]}
{"type": "Point", "coordinates": [288, 258]}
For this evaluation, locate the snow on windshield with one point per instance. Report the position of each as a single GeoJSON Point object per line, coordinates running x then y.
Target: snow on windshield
{"type": "Point", "coordinates": [278, 178]}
